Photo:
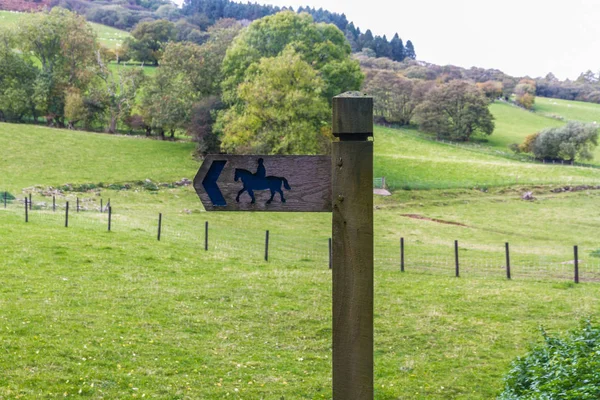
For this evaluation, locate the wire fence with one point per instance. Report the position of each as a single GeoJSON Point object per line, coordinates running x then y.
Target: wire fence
{"type": "Point", "coordinates": [223, 240]}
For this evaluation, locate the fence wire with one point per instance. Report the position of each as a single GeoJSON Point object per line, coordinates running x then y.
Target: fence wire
{"type": "Point", "coordinates": [226, 241]}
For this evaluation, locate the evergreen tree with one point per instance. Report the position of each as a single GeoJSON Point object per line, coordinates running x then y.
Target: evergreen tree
{"type": "Point", "coordinates": [367, 40]}
{"type": "Point", "coordinates": [410, 50]}
{"type": "Point", "coordinates": [398, 51]}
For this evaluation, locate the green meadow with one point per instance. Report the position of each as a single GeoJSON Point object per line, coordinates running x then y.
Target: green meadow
{"type": "Point", "coordinates": [88, 312]}
{"type": "Point", "coordinates": [109, 37]}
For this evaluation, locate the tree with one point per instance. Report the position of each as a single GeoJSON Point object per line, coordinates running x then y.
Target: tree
{"type": "Point", "coordinates": [573, 141]}
{"type": "Point", "coordinates": [163, 107]}
{"type": "Point", "coordinates": [281, 110]}
{"type": "Point", "coordinates": [322, 46]}
{"type": "Point", "coordinates": [410, 50]}
{"type": "Point", "coordinates": [17, 79]}
{"type": "Point", "coordinates": [202, 120]}
{"type": "Point", "coordinates": [119, 91]}
{"type": "Point", "coordinates": [455, 111]}
{"type": "Point", "coordinates": [75, 109]}
{"type": "Point", "coordinates": [398, 51]}
{"type": "Point", "coordinates": [525, 92]}
{"type": "Point", "coordinates": [491, 89]}
{"type": "Point", "coordinates": [148, 39]}
{"type": "Point", "coordinates": [395, 97]}
{"type": "Point", "coordinates": [199, 67]}
{"type": "Point", "coordinates": [64, 45]}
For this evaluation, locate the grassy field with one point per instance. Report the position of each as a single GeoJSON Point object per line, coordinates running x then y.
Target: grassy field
{"type": "Point", "coordinates": [117, 314]}
{"type": "Point", "coordinates": [109, 37]}
{"type": "Point", "coordinates": [513, 124]}
{"type": "Point", "coordinates": [568, 110]}
{"type": "Point", "coordinates": [35, 155]}
{"type": "Point", "coordinates": [407, 160]}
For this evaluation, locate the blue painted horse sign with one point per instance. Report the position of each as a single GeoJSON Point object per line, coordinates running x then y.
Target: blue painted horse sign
{"type": "Point", "coordinates": [265, 183]}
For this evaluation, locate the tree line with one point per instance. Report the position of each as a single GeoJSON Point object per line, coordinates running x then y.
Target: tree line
{"type": "Point", "coordinates": [263, 88]}
{"type": "Point", "coordinates": [194, 18]}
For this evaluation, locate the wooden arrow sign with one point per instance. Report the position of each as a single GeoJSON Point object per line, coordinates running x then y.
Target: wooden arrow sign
{"type": "Point", "coordinates": [265, 183]}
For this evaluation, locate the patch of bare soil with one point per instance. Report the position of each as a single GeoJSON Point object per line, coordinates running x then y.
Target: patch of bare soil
{"type": "Point", "coordinates": [439, 221]}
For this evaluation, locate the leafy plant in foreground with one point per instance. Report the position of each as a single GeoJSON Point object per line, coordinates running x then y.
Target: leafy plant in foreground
{"type": "Point", "coordinates": [562, 368]}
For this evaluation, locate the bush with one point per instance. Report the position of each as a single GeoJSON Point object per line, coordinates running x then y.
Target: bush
{"type": "Point", "coordinates": [575, 140]}
{"type": "Point", "coordinates": [566, 369]}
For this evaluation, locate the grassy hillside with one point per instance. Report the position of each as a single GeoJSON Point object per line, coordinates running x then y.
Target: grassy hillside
{"type": "Point", "coordinates": [107, 36]}
{"type": "Point", "coordinates": [513, 124]}
{"type": "Point", "coordinates": [409, 161]}
{"type": "Point", "coordinates": [568, 110]}
{"type": "Point", "coordinates": [405, 159]}
{"type": "Point", "coordinates": [33, 155]}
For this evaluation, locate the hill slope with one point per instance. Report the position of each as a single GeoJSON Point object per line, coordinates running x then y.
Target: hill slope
{"type": "Point", "coordinates": [34, 155]}
{"type": "Point", "coordinates": [109, 37]}
{"type": "Point", "coordinates": [405, 158]}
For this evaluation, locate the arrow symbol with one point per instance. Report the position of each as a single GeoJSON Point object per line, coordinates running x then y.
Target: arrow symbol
{"type": "Point", "coordinates": [210, 183]}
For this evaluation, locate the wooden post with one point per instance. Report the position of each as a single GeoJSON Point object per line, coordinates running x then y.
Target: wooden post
{"type": "Point", "coordinates": [53, 203]}
{"type": "Point", "coordinates": [109, 217]}
{"type": "Point", "coordinates": [507, 261]}
{"type": "Point", "coordinates": [456, 258]}
{"type": "Point", "coordinates": [330, 255]}
{"type": "Point", "coordinates": [77, 204]}
{"type": "Point", "coordinates": [383, 182]}
{"type": "Point", "coordinates": [67, 215]}
{"type": "Point", "coordinates": [352, 269]}
{"type": "Point", "coordinates": [267, 245]}
{"type": "Point", "coordinates": [575, 251]}
{"type": "Point", "coordinates": [401, 254]}
{"type": "Point", "coordinates": [159, 225]}
{"type": "Point", "coordinates": [30, 202]}
{"type": "Point", "coordinates": [26, 211]}
{"type": "Point", "coordinates": [101, 208]}
{"type": "Point", "coordinates": [206, 236]}
{"type": "Point", "coordinates": [5, 196]}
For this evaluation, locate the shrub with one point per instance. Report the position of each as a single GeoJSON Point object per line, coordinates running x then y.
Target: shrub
{"type": "Point", "coordinates": [575, 140]}
{"type": "Point", "coordinates": [562, 368]}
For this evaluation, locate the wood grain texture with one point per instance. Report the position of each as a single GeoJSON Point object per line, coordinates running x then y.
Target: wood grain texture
{"type": "Point", "coordinates": [309, 178]}
{"type": "Point", "coordinates": [352, 115]}
{"type": "Point", "coordinates": [352, 190]}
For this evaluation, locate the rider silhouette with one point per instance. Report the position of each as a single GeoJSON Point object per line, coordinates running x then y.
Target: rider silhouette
{"type": "Point", "coordinates": [260, 171]}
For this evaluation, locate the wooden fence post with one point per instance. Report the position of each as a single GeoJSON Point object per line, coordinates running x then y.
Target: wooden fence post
{"type": "Point", "coordinates": [206, 236]}
{"type": "Point", "coordinates": [159, 225]}
{"type": "Point", "coordinates": [352, 226]}
{"type": "Point", "coordinates": [267, 245]}
{"type": "Point", "coordinates": [507, 261]}
{"type": "Point", "coordinates": [30, 202]}
{"type": "Point", "coordinates": [5, 196]}
{"type": "Point", "coordinates": [402, 254]}
{"type": "Point", "coordinates": [101, 208]}
{"type": "Point", "coordinates": [109, 217]}
{"type": "Point", "coordinates": [456, 258]}
{"type": "Point", "coordinates": [26, 211]}
{"type": "Point", "coordinates": [77, 204]}
{"type": "Point", "coordinates": [53, 203]}
{"type": "Point", "coordinates": [575, 251]}
{"type": "Point", "coordinates": [67, 215]}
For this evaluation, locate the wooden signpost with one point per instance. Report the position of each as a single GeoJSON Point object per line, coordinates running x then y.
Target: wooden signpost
{"type": "Point", "coordinates": [343, 184]}
{"type": "Point", "coordinates": [264, 183]}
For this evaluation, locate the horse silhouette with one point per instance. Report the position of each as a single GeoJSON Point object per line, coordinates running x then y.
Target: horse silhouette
{"type": "Point", "coordinates": [252, 182]}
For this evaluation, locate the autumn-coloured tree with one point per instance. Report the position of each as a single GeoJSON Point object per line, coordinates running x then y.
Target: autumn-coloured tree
{"type": "Point", "coordinates": [525, 92]}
